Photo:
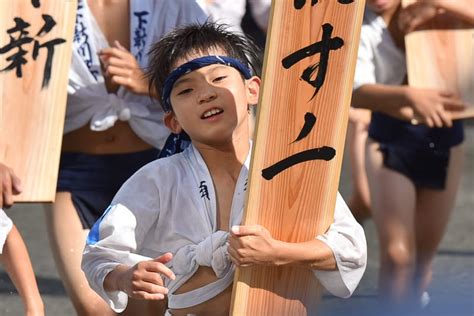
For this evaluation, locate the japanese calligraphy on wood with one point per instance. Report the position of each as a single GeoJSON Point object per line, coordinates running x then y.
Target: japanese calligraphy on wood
{"type": "Point", "coordinates": [301, 125]}
{"type": "Point", "coordinates": [440, 54]}
{"type": "Point", "coordinates": [35, 53]}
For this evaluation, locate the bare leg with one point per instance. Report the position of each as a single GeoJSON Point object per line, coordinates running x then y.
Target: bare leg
{"type": "Point", "coordinates": [67, 240]}
{"type": "Point", "coordinates": [357, 132]}
{"type": "Point", "coordinates": [18, 266]}
{"type": "Point", "coordinates": [433, 210]}
{"type": "Point", "coordinates": [393, 198]}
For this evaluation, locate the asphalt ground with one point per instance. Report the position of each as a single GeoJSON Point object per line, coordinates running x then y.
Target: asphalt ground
{"type": "Point", "coordinates": [452, 289]}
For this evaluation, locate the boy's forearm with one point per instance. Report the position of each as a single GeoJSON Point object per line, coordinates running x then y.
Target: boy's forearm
{"type": "Point", "coordinates": [313, 254]}
{"type": "Point", "coordinates": [112, 281]}
{"type": "Point", "coordinates": [461, 8]}
{"type": "Point", "coordinates": [379, 97]}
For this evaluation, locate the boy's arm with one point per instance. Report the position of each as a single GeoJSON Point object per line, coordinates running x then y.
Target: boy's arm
{"type": "Point", "coordinates": [145, 280]}
{"type": "Point", "coordinates": [10, 185]}
{"type": "Point", "coordinates": [429, 106]}
{"type": "Point", "coordinates": [338, 257]}
{"type": "Point", "coordinates": [17, 263]}
{"type": "Point", "coordinates": [421, 12]}
{"type": "Point", "coordinates": [112, 242]}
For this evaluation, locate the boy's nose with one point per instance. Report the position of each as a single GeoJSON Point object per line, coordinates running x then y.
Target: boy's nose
{"type": "Point", "coordinates": [207, 96]}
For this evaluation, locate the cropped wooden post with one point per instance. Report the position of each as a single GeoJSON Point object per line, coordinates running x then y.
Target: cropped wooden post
{"type": "Point", "coordinates": [35, 54]}
{"type": "Point", "coordinates": [297, 155]}
{"type": "Point", "coordinates": [440, 54]}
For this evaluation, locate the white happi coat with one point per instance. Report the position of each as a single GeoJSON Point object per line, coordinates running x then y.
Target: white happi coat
{"type": "Point", "coordinates": [170, 206]}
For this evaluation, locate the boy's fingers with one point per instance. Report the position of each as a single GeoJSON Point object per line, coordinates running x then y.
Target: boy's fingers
{"type": "Point", "coordinates": [437, 120]}
{"type": "Point", "coordinates": [455, 105]}
{"type": "Point", "coordinates": [246, 230]}
{"type": "Point", "coordinates": [118, 62]}
{"type": "Point", "coordinates": [147, 296]}
{"type": "Point", "coordinates": [152, 288]}
{"type": "Point", "coordinates": [160, 268]}
{"type": "Point", "coordinates": [164, 258]}
{"type": "Point", "coordinates": [113, 51]}
{"type": "Point", "coordinates": [7, 197]}
{"type": "Point", "coordinates": [16, 184]}
{"type": "Point", "coordinates": [119, 46]}
{"type": "Point", "coordinates": [445, 118]}
{"type": "Point", "coordinates": [117, 71]}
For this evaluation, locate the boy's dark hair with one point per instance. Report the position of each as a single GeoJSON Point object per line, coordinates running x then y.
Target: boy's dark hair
{"type": "Point", "coordinates": [198, 38]}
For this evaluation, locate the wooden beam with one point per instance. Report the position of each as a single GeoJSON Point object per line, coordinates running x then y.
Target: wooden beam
{"type": "Point", "coordinates": [33, 94]}
{"type": "Point", "coordinates": [297, 155]}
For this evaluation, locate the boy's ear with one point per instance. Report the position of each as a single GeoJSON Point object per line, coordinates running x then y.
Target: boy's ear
{"type": "Point", "coordinates": [172, 123]}
{"type": "Point", "coordinates": [253, 90]}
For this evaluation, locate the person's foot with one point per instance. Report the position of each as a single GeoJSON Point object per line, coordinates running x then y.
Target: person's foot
{"type": "Point", "coordinates": [424, 300]}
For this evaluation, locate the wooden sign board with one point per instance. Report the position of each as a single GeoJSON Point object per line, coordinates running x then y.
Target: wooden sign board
{"type": "Point", "coordinates": [301, 125]}
{"type": "Point", "coordinates": [440, 54]}
{"type": "Point", "coordinates": [35, 54]}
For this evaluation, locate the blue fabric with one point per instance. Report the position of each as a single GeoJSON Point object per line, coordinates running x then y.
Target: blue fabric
{"type": "Point", "coordinates": [196, 64]}
{"type": "Point", "coordinates": [419, 152]}
{"type": "Point", "coordinates": [93, 180]}
{"type": "Point", "coordinates": [175, 143]}
{"type": "Point", "coordinates": [387, 129]}
{"type": "Point", "coordinates": [94, 235]}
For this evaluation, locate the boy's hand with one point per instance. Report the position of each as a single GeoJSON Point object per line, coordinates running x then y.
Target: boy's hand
{"type": "Point", "coordinates": [10, 185]}
{"type": "Point", "coordinates": [123, 69]}
{"type": "Point", "coordinates": [145, 279]}
{"type": "Point", "coordinates": [432, 106]}
{"type": "Point", "coordinates": [252, 244]}
{"type": "Point", "coordinates": [417, 14]}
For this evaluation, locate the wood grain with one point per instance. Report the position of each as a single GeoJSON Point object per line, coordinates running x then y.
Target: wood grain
{"type": "Point", "coordinates": [32, 118]}
{"type": "Point", "coordinates": [297, 204]}
{"type": "Point", "coordinates": [440, 54]}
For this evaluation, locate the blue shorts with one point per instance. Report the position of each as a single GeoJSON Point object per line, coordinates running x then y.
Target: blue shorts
{"type": "Point", "coordinates": [416, 151]}
{"type": "Point", "coordinates": [93, 180]}
{"type": "Point", "coordinates": [426, 168]}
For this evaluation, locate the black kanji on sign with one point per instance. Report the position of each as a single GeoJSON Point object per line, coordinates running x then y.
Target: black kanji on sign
{"type": "Point", "coordinates": [323, 153]}
{"type": "Point", "coordinates": [322, 47]}
{"type": "Point", "coordinates": [19, 37]}
{"type": "Point", "coordinates": [36, 3]}
{"type": "Point", "coordinates": [299, 4]}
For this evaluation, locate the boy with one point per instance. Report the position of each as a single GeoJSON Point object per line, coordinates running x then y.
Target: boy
{"type": "Point", "coordinates": [179, 209]}
{"type": "Point", "coordinates": [413, 170]}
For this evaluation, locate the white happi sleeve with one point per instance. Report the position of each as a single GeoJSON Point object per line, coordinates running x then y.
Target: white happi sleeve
{"type": "Point", "coordinates": [346, 239]}
{"type": "Point", "coordinates": [6, 225]}
{"type": "Point", "coordinates": [116, 237]}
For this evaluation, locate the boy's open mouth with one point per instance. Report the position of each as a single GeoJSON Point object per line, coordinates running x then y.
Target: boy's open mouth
{"type": "Point", "coordinates": [211, 113]}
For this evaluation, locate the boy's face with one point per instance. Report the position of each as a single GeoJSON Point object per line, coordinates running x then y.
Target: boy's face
{"type": "Point", "coordinates": [211, 103]}
{"type": "Point", "coordinates": [380, 6]}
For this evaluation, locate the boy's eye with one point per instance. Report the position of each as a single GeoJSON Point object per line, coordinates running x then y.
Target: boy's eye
{"type": "Point", "coordinates": [220, 78]}
{"type": "Point", "coordinates": [185, 91]}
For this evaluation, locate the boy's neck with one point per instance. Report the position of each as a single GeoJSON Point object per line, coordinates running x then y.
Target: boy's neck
{"type": "Point", "coordinates": [225, 158]}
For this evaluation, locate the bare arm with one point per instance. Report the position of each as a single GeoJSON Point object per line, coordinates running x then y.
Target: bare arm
{"type": "Point", "coordinates": [17, 263]}
{"type": "Point", "coordinates": [429, 106]}
{"type": "Point", "coordinates": [142, 281]}
{"type": "Point", "coordinates": [420, 12]}
{"type": "Point", "coordinates": [253, 244]}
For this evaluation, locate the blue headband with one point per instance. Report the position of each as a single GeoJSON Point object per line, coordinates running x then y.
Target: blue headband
{"type": "Point", "coordinates": [196, 64]}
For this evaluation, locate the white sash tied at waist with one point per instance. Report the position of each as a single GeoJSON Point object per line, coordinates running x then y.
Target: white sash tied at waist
{"type": "Point", "coordinates": [211, 252]}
